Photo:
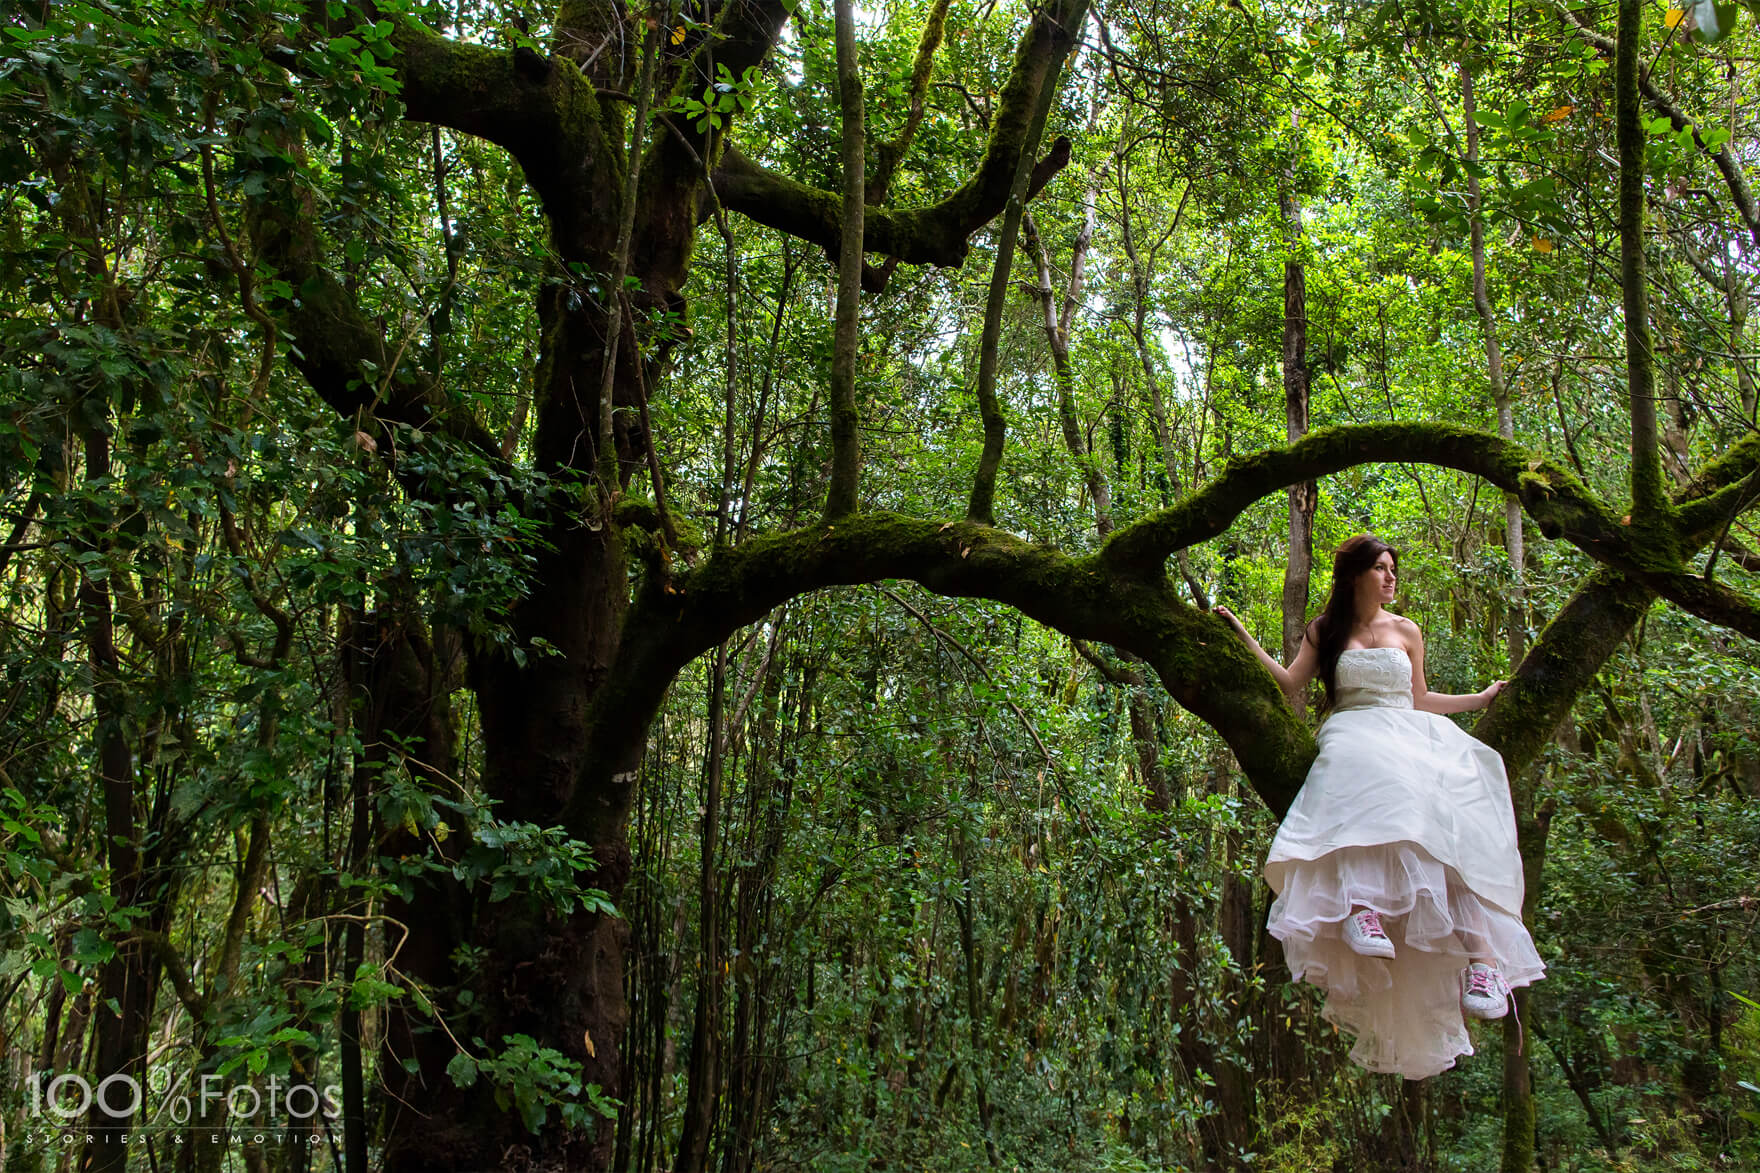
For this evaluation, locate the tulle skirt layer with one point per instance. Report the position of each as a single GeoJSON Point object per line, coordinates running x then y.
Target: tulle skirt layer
{"type": "Point", "coordinates": [1405, 1012]}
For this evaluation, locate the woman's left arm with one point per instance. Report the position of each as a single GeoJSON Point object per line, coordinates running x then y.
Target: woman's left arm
{"type": "Point", "coordinates": [1442, 702]}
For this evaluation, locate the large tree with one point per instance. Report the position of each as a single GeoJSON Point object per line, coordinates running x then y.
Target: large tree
{"type": "Point", "coordinates": [624, 125]}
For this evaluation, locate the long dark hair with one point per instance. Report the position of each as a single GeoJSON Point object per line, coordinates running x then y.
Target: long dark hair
{"type": "Point", "coordinates": [1332, 630]}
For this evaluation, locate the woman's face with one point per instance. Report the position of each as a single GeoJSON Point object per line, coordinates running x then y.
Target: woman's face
{"type": "Point", "coordinates": [1379, 582]}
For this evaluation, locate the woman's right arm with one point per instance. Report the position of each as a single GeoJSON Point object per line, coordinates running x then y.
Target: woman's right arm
{"type": "Point", "coordinates": [1301, 669]}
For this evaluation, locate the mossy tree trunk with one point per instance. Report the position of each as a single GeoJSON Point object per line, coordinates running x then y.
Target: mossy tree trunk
{"type": "Point", "coordinates": [548, 757]}
{"type": "Point", "coordinates": [1304, 498]}
{"type": "Point", "coordinates": [564, 733]}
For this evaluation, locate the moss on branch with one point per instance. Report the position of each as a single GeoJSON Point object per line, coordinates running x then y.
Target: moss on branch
{"type": "Point", "coordinates": [1566, 656]}
{"type": "Point", "coordinates": [1720, 490]}
{"type": "Point", "coordinates": [937, 234]}
{"type": "Point", "coordinates": [1119, 597]}
{"type": "Point", "coordinates": [543, 110]}
{"type": "Point", "coordinates": [1199, 660]}
{"type": "Point", "coordinates": [1572, 648]}
{"type": "Point", "coordinates": [1552, 495]}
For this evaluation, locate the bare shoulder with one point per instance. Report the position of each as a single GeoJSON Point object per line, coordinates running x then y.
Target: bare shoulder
{"type": "Point", "coordinates": [1408, 632]}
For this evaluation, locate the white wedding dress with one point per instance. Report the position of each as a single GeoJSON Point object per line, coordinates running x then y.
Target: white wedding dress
{"type": "Point", "coordinates": [1408, 815]}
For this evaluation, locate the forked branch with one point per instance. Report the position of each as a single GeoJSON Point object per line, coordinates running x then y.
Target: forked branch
{"type": "Point", "coordinates": [1115, 598]}
{"type": "Point", "coordinates": [938, 234]}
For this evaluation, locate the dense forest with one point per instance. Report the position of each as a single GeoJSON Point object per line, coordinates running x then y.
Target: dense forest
{"type": "Point", "coordinates": [610, 587]}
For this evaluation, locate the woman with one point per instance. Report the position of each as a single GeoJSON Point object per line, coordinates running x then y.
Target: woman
{"type": "Point", "coordinates": [1399, 887]}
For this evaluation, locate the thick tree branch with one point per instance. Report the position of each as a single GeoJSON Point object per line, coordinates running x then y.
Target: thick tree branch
{"type": "Point", "coordinates": [1117, 598]}
{"type": "Point", "coordinates": [542, 110]}
{"type": "Point", "coordinates": [1553, 496]}
{"type": "Point", "coordinates": [1199, 661]}
{"type": "Point", "coordinates": [938, 234]}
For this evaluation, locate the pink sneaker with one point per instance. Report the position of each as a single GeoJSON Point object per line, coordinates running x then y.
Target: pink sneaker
{"type": "Point", "coordinates": [1484, 993]}
{"type": "Point", "coordinates": [1363, 933]}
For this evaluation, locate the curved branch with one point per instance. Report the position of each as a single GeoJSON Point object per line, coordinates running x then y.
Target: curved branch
{"type": "Point", "coordinates": [1552, 495]}
{"type": "Point", "coordinates": [1198, 659]}
{"type": "Point", "coordinates": [939, 233]}
{"type": "Point", "coordinates": [542, 110]}
{"type": "Point", "coordinates": [343, 355]}
{"type": "Point", "coordinates": [1118, 596]}
{"type": "Point", "coordinates": [1561, 504]}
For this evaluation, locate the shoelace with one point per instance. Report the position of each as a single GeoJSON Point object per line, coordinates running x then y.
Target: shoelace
{"type": "Point", "coordinates": [1490, 981]}
{"type": "Point", "coordinates": [1485, 981]}
{"type": "Point", "coordinates": [1370, 922]}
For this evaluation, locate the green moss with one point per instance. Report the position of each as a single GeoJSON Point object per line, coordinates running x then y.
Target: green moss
{"type": "Point", "coordinates": [1196, 655]}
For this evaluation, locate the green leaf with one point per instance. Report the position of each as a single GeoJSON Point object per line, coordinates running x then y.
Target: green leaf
{"type": "Point", "coordinates": [462, 1070]}
{"type": "Point", "coordinates": [1712, 21]}
{"type": "Point", "coordinates": [90, 948]}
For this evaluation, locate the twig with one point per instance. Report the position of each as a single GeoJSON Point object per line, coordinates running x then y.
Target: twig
{"type": "Point", "coordinates": [1026, 722]}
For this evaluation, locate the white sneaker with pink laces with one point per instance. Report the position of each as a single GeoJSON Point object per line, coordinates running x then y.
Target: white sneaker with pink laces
{"type": "Point", "coordinates": [1484, 993]}
{"type": "Point", "coordinates": [1364, 934]}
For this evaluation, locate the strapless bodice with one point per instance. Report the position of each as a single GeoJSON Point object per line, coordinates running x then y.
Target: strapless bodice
{"type": "Point", "coordinates": [1370, 678]}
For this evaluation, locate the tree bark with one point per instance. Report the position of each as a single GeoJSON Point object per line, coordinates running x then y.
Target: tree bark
{"type": "Point", "coordinates": [1304, 498]}
{"type": "Point", "coordinates": [846, 452]}
{"type": "Point", "coordinates": [1648, 496]}
{"type": "Point", "coordinates": [127, 980]}
{"type": "Point", "coordinates": [703, 1080]}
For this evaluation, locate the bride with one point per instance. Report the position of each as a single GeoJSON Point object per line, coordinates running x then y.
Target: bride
{"type": "Point", "coordinates": [1399, 887]}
